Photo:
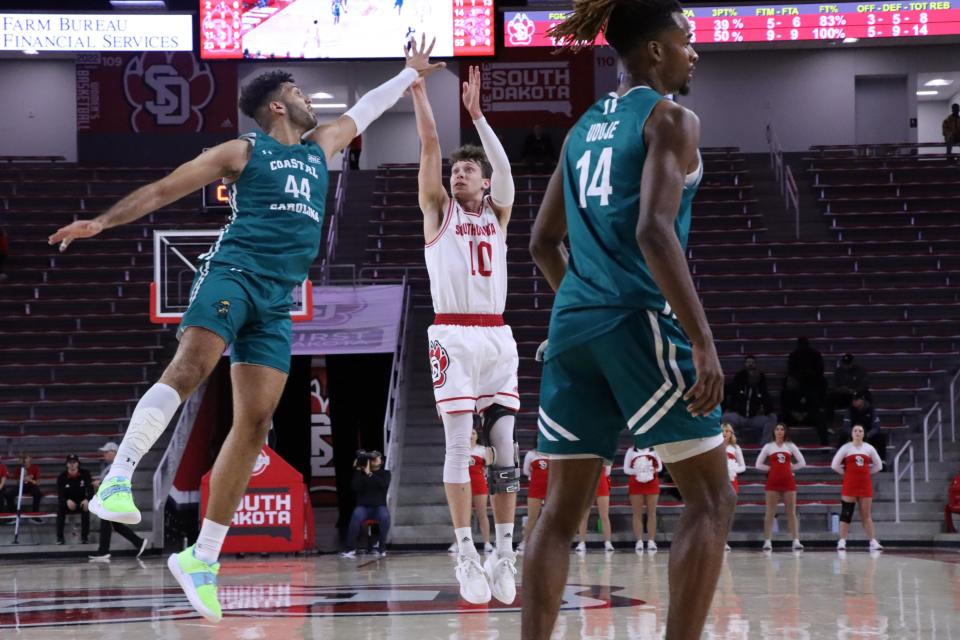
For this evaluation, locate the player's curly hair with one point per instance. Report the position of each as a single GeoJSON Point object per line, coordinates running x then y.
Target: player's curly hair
{"type": "Point", "coordinates": [625, 23]}
{"type": "Point", "coordinates": [259, 91]}
{"type": "Point", "coordinates": [472, 153]}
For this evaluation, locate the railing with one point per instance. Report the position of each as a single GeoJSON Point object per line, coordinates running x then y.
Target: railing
{"type": "Point", "coordinates": [899, 473]}
{"type": "Point", "coordinates": [340, 197]}
{"type": "Point", "coordinates": [929, 432]}
{"type": "Point", "coordinates": [396, 410]}
{"type": "Point", "coordinates": [953, 407]}
{"type": "Point", "coordinates": [785, 179]}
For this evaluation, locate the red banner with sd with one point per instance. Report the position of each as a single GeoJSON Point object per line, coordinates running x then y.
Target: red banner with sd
{"type": "Point", "coordinates": [274, 514]}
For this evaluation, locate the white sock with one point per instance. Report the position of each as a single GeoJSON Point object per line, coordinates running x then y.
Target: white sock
{"type": "Point", "coordinates": [504, 537]}
{"type": "Point", "coordinates": [150, 417]}
{"type": "Point", "coordinates": [210, 541]}
{"type": "Point", "coordinates": [465, 541]}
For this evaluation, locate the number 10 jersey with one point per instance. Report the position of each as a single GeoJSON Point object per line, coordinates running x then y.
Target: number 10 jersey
{"type": "Point", "coordinates": [607, 277]}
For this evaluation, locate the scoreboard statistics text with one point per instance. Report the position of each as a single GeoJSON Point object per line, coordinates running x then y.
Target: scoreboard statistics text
{"type": "Point", "coordinates": [775, 23]}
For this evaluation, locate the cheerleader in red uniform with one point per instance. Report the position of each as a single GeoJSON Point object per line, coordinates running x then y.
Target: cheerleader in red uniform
{"type": "Point", "coordinates": [780, 459]}
{"type": "Point", "coordinates": [479, 489]}
{"type": "Point", "coordinates": [735, 463]}
{"type": "Point", "coordinates": [857, 461]}
{"type": "Point", "coordinates": [603, 509]}
{"type": "Point", "coordinates": [642, 467]}
{"type": "Point", "coordinates": [536, 466]}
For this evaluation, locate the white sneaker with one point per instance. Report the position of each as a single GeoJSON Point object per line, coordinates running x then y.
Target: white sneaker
{"type": "Point", "coordinates": [487, 547]}
{"type": "Point", "coordinates": [767, 545]}
{"type": "Point", "coordinates": [520, 548]}
{"type": "Point", "coordinates": [638, 547]}
{"type": "Point", "coordinates": [726, 547]}
{"type": "Point", "coordinates": [651, 546]}
{"type": "Point", "coordinates": [502, 573]}
{"type": "Point", "coordinates": [453, 549]}
{"type": "Point", "coordinates": [875, 545]}
{"type": "Point", "coordinates": [104, 558]}
{"type": "Point", "coordinates": [608, 547]}
{"type": "Point", "coordinates": [474, 587]}
{"type": "Point", "coordinates": [797, 545]}
{"type": "Point", "coordinates": [581, 547]}
{"type": "Point", "coordinates": [841, 545]}
{"type": "Point", "coordinates": [350, 553]}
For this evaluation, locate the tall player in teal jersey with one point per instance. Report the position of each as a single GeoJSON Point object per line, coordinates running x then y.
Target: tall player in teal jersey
{"type": "Point", "coordinates": [629, 345]}
{"type": "Point", "coordinates": [241, 294]}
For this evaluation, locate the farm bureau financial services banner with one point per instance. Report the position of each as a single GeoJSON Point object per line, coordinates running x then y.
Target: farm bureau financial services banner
{"type": "Point", "coordinates": [524, 87]}
{"type": "Point", "coordinates": [95, 32]}
{"type": "Point", "coordinates": [351, 320]}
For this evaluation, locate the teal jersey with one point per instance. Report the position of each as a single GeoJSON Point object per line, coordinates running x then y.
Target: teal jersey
{"type": "Point", "coordinates": [278, 207]}
{"type": "Point", "coordinates": [607, 277]}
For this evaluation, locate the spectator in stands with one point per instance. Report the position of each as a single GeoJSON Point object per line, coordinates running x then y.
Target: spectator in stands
{"type": "Point", "coordinates": [735, 463]}
{"type": "Point", "coordinates": [951, 129]}
{"type": "Point", "coordinates": [370, 484]}
{"type": "Point", "coordinates": [356, 146]}
{"type": "Point", "coordinates": [779, 459]}
{"type": "Point", "coordinates": [109, 452]}
{"type": "Point", "coordinates": [603, 512]}
{"type": "Point", "coordinates": [4, 251]}
{"type": "Point", "coordinates": [848, 378]}
{"type": "Point", "coordinates": [642, 466]}
{"type": "Point", "coordinates": [806, 364]}
{"type": "Point", "coordinates": [538, 150]}
{"type": "Point", "coordinates": [802, 407]}
{"type": "Point", "coordinates": [748, 406]}
{"type": "Point", "coordinates": [31, 484]}
{"type": "Point", "coordinates": [74, 490]}
{"type": "Point", "coordinates": [861, 412]}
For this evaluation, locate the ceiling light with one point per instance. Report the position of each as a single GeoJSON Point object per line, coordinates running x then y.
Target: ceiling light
{"type": "Point", "coordinates": [330, 105]}
{"type": "Point", "coordinates": [850, 40]}
{"type": "Point", "coordinates": [30, 52]}
{"type": "Point", "coordinates": [320, 95]}
{"type": "Point", "coordinates": [928, 93]}
{"type": "Point", "coordinates": [138, 4]}
{"type": "Point", "coordinates": [938, 82]}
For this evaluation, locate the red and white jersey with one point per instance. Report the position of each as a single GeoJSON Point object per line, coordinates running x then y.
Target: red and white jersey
{"type": "Point", "coordinates": [857, 464]}
{"type": "Point", "coordinates": [477, 461]}
{"type": "Point", "coordinates": [536, 466]}
{"type": "Point", "coordinates": [467, 262]}
{"type": "Point", "coordinates": [780, 461]}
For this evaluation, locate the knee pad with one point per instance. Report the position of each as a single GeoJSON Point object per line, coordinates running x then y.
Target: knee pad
{"type": "Point", "coordinates": [846, 511]}
{"type": "Point", "coordinates": [503, 475]}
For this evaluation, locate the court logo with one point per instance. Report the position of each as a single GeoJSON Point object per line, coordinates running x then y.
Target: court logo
{"type": "Point", "coordinates": [222, 307]}
{"type": "Point", "coordinates": [439, 361]}
{"type": "Point", "coordinates": [520, 30]}
{"type": "Point", "coordinates": [167, 90]}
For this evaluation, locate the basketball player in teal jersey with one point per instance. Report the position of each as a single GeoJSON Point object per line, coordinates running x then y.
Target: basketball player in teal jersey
{"type": "Point", "coordinates": [241, 294]}
{"type": "Point", "coordinates": [629, 344]}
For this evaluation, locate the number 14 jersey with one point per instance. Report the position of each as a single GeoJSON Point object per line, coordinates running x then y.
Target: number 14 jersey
{"type": "Point", "coordinates": [467, 262]}
{"type": "Point", "coordinates": [607, 277]}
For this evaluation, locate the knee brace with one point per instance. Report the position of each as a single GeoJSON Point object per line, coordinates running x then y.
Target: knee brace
{"type": "Point", "coordinates": [846, 511]}
{"type": "Point", "coordinates": [503, 475]}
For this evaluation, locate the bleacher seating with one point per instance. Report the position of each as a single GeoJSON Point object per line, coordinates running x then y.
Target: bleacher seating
{"type": "Point", "coordinates": [887, 297]}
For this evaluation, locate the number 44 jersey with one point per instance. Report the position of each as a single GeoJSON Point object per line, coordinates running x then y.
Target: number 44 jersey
{"type": "Point", "coordinates": [607, 277]}
{"type": "Point", "coordinates": [278, 208]}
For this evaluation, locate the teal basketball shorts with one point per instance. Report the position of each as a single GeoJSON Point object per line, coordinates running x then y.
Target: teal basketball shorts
{"type": "Point", "coordinates": [632, 377]}
{"type": "Point", "coordinates": [250, 312]}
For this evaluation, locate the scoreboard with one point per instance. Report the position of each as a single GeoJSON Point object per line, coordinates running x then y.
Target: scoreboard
{"type": "Point", "coordinates": [775, 22]}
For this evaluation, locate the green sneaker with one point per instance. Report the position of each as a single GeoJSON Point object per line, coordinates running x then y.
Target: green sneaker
{"type": "Point", "coordinates": [114, 502]}
{"type": "Point", "coordinates": [198, 581]}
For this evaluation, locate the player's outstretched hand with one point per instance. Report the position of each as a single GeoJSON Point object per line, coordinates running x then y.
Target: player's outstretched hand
{"type": "Point", "coordinates": [707, 392]}
{"type": "Point", "coordinates": [78, 229]}
{"type": "Point", "coordinates": [418, 58]}
{"type": "Point", "coordinates": [471, 94]}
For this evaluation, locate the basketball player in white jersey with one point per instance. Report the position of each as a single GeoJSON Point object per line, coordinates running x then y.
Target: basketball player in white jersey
{"type": "Point", "coordinates": [473, 356]}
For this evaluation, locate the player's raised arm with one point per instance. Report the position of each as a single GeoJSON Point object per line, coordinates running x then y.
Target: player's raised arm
{"type": "Point", "coordinates": [549, 230]}
{"type": "Point", "coordinates": [501, 177]}
{"type": "Point", "coordinates": [335, 136]}
{"type": "Point", "coordinates": [672, 134]}
{"type": "Point", "coordinates": [222, 161]}
{"type": "Point", "coordinates": [431, 193]}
